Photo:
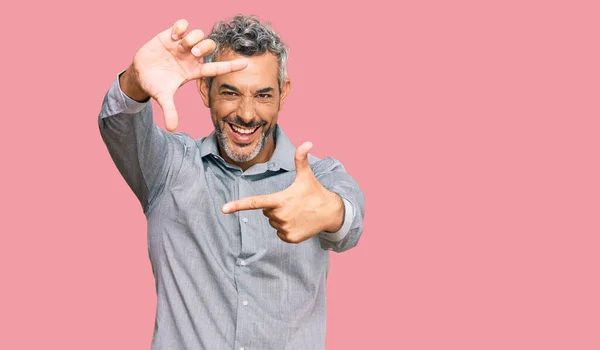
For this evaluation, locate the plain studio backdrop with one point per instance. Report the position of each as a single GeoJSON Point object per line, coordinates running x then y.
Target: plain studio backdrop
{"type": "Point", "coordinates": [471, 126]}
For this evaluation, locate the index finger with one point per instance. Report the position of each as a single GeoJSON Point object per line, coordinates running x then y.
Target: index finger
{"type": "Point", "coordinates": [217, 68]}
{"type": "Point", "coordinates": [267, 201]}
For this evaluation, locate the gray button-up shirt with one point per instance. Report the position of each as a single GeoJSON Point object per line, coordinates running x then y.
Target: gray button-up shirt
{"type": "Point", "coordinates": [224, 281]}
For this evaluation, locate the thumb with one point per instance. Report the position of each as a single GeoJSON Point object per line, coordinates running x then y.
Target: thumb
{"type": "Point", "coordinates": [170, 112]}
{"type": "Point", "coordinates": [301, 157]}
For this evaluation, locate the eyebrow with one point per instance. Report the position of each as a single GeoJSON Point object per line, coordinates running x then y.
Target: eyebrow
{"type": "Point", "coordinates": [233, 88]}
{"type": "Point", "coordinates": [262, 91]}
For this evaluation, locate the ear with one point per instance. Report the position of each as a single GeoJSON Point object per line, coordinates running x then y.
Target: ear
{"type": "Point", "coordinates": [285, 90]}
{"type": "Point", "coordinates": [202, 85]}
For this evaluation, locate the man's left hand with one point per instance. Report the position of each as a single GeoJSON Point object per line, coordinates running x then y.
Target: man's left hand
{"type": "Point", "coordinates": [300, 211]}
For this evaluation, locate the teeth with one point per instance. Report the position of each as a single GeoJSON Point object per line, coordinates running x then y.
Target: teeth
{"type": "Point", "coordinates": [242, 130]}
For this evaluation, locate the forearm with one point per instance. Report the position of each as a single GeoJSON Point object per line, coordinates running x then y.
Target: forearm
{"type": "Point", "coordinates": [348, 235]}
{"type": "Point", "coordinates": [345, 187]}
{"type": "Point", "coordinates": [137, 146]}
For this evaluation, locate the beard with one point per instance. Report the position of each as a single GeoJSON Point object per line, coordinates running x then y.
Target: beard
{"type": "Point", "coordinates": [225, 143]}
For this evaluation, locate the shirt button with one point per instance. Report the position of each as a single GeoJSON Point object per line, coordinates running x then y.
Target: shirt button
{"type": "Point", "coordinates": [245, 302]}
{"type": "Point", "coordinates": [245, 219]}
{"type": "Point", "coordinates": [243, 262]}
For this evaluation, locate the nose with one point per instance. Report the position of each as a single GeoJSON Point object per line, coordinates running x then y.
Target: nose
{"type": "Point", "coordinates": [245, 109]}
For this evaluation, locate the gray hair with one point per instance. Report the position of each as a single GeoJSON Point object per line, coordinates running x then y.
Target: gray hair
{"type": "Point", "coordinates": [248, 37]}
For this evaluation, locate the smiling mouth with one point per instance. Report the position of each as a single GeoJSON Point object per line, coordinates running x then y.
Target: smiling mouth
{"type": "Point", "coordinates": [243, 131]}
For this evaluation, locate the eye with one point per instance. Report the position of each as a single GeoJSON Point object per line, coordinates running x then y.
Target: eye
{"type": "Point", "coordinates": [228, 93]}
{"type": "Point", "coordinates": [263, 96]}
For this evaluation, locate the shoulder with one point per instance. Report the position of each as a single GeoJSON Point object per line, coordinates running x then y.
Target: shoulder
{"type": "Point", "coordinates": [184, 138]}
{"type": "Point", "coordinates": [324, 166]}
{"type": "Point", "coordinates": [183, 143]}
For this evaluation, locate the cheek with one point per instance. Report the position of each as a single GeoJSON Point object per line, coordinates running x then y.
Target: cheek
{"type": "Point", "coordinates": [267, 112]}
{"type": "Point", "coordinates": [222, 108]}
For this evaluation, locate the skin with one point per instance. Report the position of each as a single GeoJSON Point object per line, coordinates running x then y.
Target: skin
{"type": "Point", "coordinates": [244, 91]}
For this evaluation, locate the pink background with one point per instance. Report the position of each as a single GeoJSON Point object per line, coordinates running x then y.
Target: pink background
{"type": "Point", "coordinates": [472, 128]}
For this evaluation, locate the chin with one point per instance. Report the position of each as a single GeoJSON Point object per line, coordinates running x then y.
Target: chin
{"type": "Point", "coordinates": [242, 153]}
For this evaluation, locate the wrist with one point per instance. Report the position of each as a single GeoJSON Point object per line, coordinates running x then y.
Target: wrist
{"type": "Point", "coordinates": [131, 87]}
{"type": "Point", "coordinates": [337, 213]}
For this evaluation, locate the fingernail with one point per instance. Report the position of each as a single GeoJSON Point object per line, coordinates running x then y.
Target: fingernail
{"type": "Point", "coordinates": [196, 51]}
{"type": "Point", "coordinates": [174, 36]}
{"type": "Point", "coordinates": [225, 208]}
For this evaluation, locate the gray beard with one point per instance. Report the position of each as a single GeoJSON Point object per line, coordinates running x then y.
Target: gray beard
{"type": "Point", "coordinates": [238, 157]}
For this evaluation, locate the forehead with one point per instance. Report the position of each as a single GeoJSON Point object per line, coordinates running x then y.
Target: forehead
{"type": "Point", "coordinates": [261, 71]}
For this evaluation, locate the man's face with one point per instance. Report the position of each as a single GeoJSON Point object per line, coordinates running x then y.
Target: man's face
{"type": "Point", "coordinates": [244, 106]}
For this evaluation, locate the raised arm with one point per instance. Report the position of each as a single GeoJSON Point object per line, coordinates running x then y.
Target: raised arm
{"type": "Point", "coordinates": [139, 148]}
{"type": "Point", "coordinates": [143, 153]}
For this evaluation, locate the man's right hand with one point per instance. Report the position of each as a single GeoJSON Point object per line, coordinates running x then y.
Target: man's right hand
{"type": "Point", "coordinates": [169, 60]}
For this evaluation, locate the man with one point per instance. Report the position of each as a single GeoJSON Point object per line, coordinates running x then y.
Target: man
{"type": "Point", "coordinates": [239, 222]}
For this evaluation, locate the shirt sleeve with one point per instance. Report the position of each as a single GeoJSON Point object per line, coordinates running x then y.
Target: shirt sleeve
{"type": "Point", "coordinates": [332, 175]}
{"type": "Point", "coordinates": [117, 102]}
{"type": "Point", "coordinates": [143, 153]}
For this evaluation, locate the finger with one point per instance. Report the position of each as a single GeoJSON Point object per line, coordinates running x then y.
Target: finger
{"type": "Point", "coordinates": [268, 213]}
{"type": "Point", "coordinates": [204, 47]}
{"type": "Point", "coordinates": [273, 213]}
{"type": "Point", "coordinates": [274, 224]}
{"type": "Point", "coordinates": [301, 157]}
{"type": "Point", "coordinates": [217, 68]}
{"type": "Point", "coordinates": [254, 202]}
{"type": "Point", "coordinates": [190, 39]}
{"type": "Point", "coordinates": [283, 237]}
{"type": "Point", "coordinates": [178, 29]}
{"type": "Point", "coordinates": [170, 112]}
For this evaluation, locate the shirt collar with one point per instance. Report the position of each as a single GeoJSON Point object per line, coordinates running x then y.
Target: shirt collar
{"type": "Point", "coordinates": [282, 158]}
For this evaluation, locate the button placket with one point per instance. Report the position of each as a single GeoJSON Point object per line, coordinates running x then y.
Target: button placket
{"type": "Point", "coordinates": [243, 324]}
